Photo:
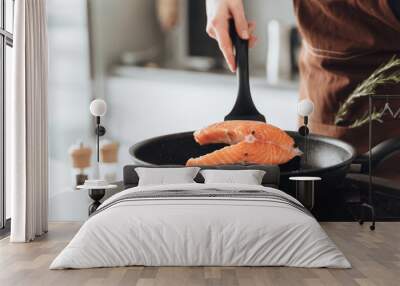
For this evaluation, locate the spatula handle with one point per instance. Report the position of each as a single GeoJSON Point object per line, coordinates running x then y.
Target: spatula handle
{"type": "Point", "coordinates": [241, 57]}
{"type": "Point", "coordinates": [244, 108]}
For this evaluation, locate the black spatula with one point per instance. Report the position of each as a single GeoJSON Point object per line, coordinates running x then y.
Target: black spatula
{"type": "Point", "coordinates": [244, 108]}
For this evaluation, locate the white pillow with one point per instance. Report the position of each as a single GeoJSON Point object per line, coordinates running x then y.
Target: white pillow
{"type": "Point", "coordinates": [248, 177]}
{"type": "Point", "coordinates": [165, 176]}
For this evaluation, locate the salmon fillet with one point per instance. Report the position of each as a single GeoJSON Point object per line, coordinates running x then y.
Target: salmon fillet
{"type": "Point", "coordinates": [252, 142]}
{"type": "Point", "coordinates": [235, 131]}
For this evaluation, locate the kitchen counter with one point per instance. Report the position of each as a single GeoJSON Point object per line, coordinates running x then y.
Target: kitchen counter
{"type": "Point", "coordinates": [166, 74]}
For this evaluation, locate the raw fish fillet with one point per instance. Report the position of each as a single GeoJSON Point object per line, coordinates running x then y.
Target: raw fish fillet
{"type": "Point", "coordinates": [252, 142]}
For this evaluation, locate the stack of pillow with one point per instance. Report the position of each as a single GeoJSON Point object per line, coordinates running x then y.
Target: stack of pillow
{"type": "Point", "coordinates": [187, 175]}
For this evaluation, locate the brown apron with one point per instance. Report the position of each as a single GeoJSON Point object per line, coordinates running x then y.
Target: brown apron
{"type": "Point", "coordinates": [344, 41]}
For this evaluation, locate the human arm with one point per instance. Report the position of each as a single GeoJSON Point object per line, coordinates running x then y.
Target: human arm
{"type": "Point", "coordinates": [218, 14]}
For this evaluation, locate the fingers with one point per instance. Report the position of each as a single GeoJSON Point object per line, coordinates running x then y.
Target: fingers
{"type": "Point", "coordinates": [225, 44]}
{"type": "Point", "coordinates": [252, 27]}
{"type": "Point", "coordinates": [210, 31]}
{"type": "Point", "coordinates": [218, 14]}
{"type": "Point", "coordinates": [241, 24]}
{"type": "Point", "coordinates": [252, 41]}
{"type": "Point", "coordinates": [218, 29]}
{"type": "Point", "coordinates": [253, 38]}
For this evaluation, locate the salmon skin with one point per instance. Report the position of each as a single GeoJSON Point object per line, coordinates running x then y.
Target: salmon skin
{"type": "Point", "coordinates": [251, 142]}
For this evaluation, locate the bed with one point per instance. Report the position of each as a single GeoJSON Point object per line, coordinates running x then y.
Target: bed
{"type": "Point", "coordinates": [201, 224]}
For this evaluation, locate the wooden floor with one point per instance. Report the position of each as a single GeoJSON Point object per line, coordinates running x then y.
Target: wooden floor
{"type": "Point", "coordinates": [375, 257]}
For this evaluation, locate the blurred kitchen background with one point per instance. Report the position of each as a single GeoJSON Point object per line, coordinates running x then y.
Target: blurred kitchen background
{"type": "Point", "coordinates": [154, 65]}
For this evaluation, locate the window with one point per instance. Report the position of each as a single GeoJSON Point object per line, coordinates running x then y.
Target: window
{"type": "Point", "coordinates": [6, 44]}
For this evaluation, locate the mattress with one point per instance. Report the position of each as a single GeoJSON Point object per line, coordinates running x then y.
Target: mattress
{"type": "Point", "coordinates": [201, 225]}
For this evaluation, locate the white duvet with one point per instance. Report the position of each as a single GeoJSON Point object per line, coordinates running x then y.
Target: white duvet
{"type": "Point", "coordinates": [200, 231]}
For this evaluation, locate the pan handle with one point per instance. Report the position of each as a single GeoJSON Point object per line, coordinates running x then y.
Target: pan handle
{"type": "Point", "coordinates": [380, 152]}
{"type": "Point", "coordinates": [244, 108]}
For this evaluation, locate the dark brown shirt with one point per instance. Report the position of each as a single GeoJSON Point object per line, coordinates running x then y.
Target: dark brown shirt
{"type": "Point", "coordinates": [344, 41]}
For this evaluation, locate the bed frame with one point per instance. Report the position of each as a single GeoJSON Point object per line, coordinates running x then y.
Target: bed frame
{"type": "Point", "coordinates": [271, 177]}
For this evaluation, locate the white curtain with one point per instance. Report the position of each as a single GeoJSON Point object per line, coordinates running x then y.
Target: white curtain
{"type": "Point", "coordinates": [26, 123]}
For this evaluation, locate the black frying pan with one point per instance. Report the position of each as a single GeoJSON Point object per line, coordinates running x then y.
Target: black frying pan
{"type": "Point", "coordinates": [328, 158]}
